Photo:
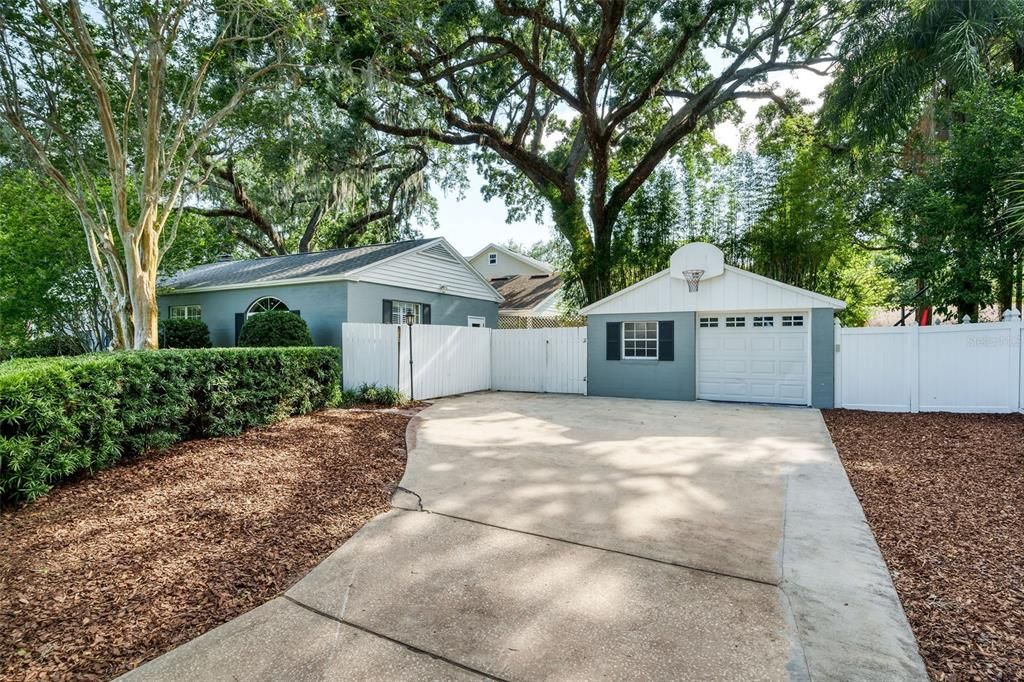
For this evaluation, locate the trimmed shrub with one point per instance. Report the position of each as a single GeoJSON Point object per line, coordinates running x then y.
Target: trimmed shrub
{"type": "Point", "coordinates": [275, 329]}
{"type": "Point", "coordinates": [50, 347]}
{"type": "Point", "coordinates": [372, 394]}
{"type": "Point", "coordinates": [62, 416]}
{"type": "Point", "coordinates": [183, 333]}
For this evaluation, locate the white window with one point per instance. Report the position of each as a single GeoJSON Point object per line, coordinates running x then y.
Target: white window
{"type": "Point", "coordinates": [792, 320]}
{"type": "Point", "coordinates": [640, 340]}
{"type": "Point", "coordinates": [740, 321]}
{"type": "Point", "coordinates": [709, 321]}
{"type": "Point", "coordinates": [474, 321]}
{"type": "Point", "coordinates": [492, 259]}
{"type": "Point", "coordinates": [400, 308]}
{"type": "Point", "coordinates": [265, 304]}
{"type": "Point", "coordinates": [185, 312]}
{"type": "Point", "coordinates": [764, 320]}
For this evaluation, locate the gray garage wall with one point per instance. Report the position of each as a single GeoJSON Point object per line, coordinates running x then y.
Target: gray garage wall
{"type": "Point", "coordinates": [323, 305]}
{"type": "Point", "coordinates": [823, 358]}
{"type": "Point", "coordinates": [365, 298]}
{"type": "Point", "coordinates": [662, 380]}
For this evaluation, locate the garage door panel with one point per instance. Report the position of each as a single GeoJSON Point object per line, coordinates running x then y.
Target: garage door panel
{"type": "Point", "coordinates": [753, 364]}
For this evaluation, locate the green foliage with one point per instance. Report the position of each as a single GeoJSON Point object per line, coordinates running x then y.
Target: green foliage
{"type": "Point", "coordinates": [371, 394]}
{"type": "Point", "coordinates": [275, 328]}
{"type": "Point", "coordinates": [51, 346]}
{"type": "Point", "coordinates": [64, 416]}
{"type": "Point", "coordinates": [182, 333]}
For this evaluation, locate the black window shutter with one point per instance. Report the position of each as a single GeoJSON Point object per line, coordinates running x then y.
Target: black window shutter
{"type": "Point", "coordinates": [387, 312]}
{"type": "Point", "coordinates": [239, 321]}
{"type": "Point", "coordinates": [614, 341]}
{"type": "Point", "coordinates": [426, 313]}
{"type": "Point", "coordinates": [666, 340]}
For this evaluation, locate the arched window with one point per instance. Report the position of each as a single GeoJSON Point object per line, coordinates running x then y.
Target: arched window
{"type": "Point", "coordinates": [262, 305]}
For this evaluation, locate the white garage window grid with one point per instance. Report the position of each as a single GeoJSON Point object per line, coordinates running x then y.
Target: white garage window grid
{"type": "Point", "coordinates": [640, 340]}
{"type": "Point", "coordinates": [792, 320]}
{"type": "Point", "coordinates": [764, 320]}
{"type": "Point", "coordinates": [709, 322]}
{"type": "Point", "coordinates": [185, 312]}
{"type": "Point", "coordinates": [736, 321]}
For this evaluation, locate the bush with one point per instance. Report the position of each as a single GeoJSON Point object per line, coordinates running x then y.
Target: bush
{"type": "Point", "coordinates": [183, 333]}
{"type": "Point", "coordinates": [62, 416]}
{"type": "Point", "coordinates": [372, 394]}
{"type": "Point", "coordinates": [275, 329]}
{"type": "Point", "coordinates": [49, 347]}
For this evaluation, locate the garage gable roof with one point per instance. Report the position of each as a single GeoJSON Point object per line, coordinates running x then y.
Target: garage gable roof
{"type": "Point", "coordinates": [735, 289]}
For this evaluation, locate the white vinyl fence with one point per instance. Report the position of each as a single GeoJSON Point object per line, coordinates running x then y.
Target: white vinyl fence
{"type": "Point", "coordinates": [450, 360]}
{"type": "Point", "coordinates": [947, 368]}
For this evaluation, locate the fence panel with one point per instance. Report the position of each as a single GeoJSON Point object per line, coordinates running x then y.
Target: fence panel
{"type": "Point", "coordinates": [446, 360]}
{"type": "Point", "coordinates": [947, 368]}
{"type": "Point", "coordinates": [369, 354]}
{"type": "Point", "coordinates": [540, 360]}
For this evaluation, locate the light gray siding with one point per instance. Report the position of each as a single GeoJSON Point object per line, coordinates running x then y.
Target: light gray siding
{"type": "Point", "coordinates": [661, 380]}
{"type": "Point", "coordinates": [322, 305]}
{"type": "Point", "coordinates": [365, 300]}
{"type": "Point", "coordinates": [823, 358]}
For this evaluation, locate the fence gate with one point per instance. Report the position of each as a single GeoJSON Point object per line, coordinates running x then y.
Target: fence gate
{"type": "Point", "coordinates": [539, 360]}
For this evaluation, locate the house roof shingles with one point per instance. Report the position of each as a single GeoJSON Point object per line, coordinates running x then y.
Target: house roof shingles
{"type": "Point", "coordinates": [333, 263]}
{"type": "Point", "coordinates": [525, 292]}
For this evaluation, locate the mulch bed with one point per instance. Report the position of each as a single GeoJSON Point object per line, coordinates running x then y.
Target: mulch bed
{"type": "Point", "coordinates": [944, 494]}
{"type": "Point", "coordinates": [115, 569]}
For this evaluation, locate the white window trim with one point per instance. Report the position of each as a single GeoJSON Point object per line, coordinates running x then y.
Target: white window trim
{"type": "Point", "coordinates": [399, 308]}
{"type": "Point", "coordinates": [642, 358]}
{"type": "Point", "coordinates": [188, 312]}
{"type": "Point", "coordinates": [476, 318]}
{"type": "Point", "coordinates": [249, 312]}
{"type": "Point", "coordinates": [492, 258]}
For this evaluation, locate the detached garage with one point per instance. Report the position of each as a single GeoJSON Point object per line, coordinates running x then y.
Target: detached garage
{"type": "Point", "coordinates": [710, 331]}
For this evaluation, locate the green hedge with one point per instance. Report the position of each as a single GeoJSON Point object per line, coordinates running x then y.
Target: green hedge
{"type": "Point", "coordinates": [182, 333]}
{"type": "Point", "coordinates": [275, 329]}
{"type": "Point", "coordinates": [62, 416]}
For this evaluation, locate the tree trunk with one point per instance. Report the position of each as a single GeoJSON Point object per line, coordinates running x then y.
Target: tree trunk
{"type": "Point", "coordinates": [591, 266]}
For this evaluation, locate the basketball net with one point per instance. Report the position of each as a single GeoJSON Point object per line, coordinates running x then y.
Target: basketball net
{"type": "Point", "coordinates": [693, 279]}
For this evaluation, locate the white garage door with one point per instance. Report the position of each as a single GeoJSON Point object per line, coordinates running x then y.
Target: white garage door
{"type": "Point", "coordinates": [753, 357]}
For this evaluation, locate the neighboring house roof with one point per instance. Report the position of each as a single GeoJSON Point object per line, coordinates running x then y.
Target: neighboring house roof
{"type": "Point", "coordinates": [370, 263]}
{"type": "Point", "coordinates": [541, 265]}
{"type": "Point", "coordinates": [526, 292]}
{"type": "Point", "coordinates": [736, 289]}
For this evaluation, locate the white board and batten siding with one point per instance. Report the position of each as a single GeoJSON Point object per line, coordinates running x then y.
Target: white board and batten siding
{"type": "Point", "coordinates": [733, 290]}
{"type": "Point", "coordinates": [449, 360]}
{"type": "Point", "coordinates": [435, 267]}
{"type": "Point", "coordinates": [946, 368]}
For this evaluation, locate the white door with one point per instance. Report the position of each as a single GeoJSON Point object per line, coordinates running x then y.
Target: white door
{"type": "Point", "coordinates": [761, 357]}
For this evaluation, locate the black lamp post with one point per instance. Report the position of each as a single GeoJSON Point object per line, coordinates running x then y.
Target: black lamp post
{"type": "Point", "coordinates": [410, 318]}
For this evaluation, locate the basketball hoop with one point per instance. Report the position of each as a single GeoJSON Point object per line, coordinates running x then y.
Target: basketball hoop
{"type": "Point", "coordinates": [693, 279]}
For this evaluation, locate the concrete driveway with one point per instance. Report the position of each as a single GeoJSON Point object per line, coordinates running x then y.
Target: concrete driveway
{"type": "Point", "coordinates": [556, 537]}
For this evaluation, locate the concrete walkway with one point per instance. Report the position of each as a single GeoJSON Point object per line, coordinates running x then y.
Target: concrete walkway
{"type": "Point", "coordinates": [555, 537]}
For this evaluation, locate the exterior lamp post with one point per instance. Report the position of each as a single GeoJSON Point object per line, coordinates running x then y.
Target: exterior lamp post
{"type": "Point", "coordinates": [410, 319]}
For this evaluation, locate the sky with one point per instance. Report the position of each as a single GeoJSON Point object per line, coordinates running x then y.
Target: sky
{"type": "Point", "coordinates": [470, 223]}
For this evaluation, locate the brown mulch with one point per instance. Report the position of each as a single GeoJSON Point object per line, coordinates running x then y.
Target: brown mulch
{"type": "Point", "coordinates": [944, 494]}
{"type": "Point", "coordinates": [115, 569]}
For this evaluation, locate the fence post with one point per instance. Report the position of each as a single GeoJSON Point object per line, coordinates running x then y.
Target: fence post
{"type": "Point", "coordinates": [913, 373]}
{"type": "Point", "coordinates": [837, 385]}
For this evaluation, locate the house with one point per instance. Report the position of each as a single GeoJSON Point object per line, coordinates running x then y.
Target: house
{"type": "Point", "coordinates": [737, 337]}
{"type": "Point", "coordinates": [531, 288]}
{"type": "Point", "coordinates": [378, 283]}
{"type": "Point", "coordinates": [495, 261]}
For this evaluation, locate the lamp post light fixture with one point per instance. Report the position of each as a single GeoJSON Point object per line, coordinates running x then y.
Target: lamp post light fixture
{"type": "Point", "coordinates": [410, 319]}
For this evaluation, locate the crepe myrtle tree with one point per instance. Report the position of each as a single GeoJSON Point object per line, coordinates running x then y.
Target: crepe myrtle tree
{"type": "Point", "coordinates": [572, 102]}
{"type": "Point", "coordinates": [116, 94]}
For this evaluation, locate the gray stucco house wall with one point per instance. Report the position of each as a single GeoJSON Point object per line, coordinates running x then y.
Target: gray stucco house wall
{"type": "Point", "coordinates": [325, 306]}
{"type": "Point", "coordinates": [674, 379]}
